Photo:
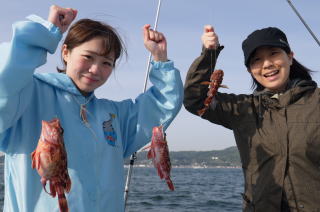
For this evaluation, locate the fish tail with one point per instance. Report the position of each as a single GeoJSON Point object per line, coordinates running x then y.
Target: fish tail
{"type": "Point", "coordinates": [170, 184]}
{"type": "Point", "coordinates": [63, 204]}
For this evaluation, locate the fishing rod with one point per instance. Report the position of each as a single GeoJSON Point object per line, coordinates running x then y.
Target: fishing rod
{"type": "Point", "coordinates": [304, 23]}
{"type": "Point", "coordinates": [134, 155]}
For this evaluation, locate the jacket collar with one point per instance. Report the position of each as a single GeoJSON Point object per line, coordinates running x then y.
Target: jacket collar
{"type": "Point", "coordinates": [295, 84]}
{"type": "Point", "coordinates": [295, 90]}
{"type": "Point", "coordinates": [61, 81]}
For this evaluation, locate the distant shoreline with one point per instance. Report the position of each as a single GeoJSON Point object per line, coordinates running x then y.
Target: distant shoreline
{"type": "Point", "coordinates": [190, 167]}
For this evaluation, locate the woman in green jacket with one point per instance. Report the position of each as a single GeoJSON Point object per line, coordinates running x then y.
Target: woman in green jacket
{"type": "Point", "coordinates": [277, 128]}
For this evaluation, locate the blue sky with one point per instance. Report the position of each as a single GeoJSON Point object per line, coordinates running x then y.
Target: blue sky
{"type": "Point", "coordinates": [182, 22]}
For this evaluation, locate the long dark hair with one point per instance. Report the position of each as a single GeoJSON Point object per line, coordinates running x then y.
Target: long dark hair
{"type": "Point", "coordinates": [297, 71]}
{"type": "Point", "coordinates": [86, 29]}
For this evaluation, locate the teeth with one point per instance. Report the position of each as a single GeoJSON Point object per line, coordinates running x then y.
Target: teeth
{"type": "Point", "coordinates": [271, 74]}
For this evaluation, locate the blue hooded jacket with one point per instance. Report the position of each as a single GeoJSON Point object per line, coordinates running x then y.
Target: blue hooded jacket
{"type": "Point", "coordinates": [95, 150]}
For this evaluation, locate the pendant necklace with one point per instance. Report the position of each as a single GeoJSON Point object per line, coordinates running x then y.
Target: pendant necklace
{"type": "Point", "coordinates": [83, 109]}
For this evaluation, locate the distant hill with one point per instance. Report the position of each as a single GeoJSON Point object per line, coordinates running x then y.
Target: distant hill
{"type": "Point", "coordinates": [228, 157]}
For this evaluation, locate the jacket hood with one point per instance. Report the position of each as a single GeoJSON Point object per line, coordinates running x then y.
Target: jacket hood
{"type": "Point", "coordinates": [295, 90]}
{"type": "Point", "coordinates": [296, 84]}
{"type": "Point", "coordinates": [59, 80]}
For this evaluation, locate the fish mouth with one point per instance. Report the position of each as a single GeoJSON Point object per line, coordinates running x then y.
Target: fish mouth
{"type": "Point", "coordinates": [271, 74]}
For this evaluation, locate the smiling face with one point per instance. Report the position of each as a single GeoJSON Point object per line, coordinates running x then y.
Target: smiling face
{"type": "Point", "coordinates": [270, 66]}
{"type": "Point", "coordinates": [87, 66]}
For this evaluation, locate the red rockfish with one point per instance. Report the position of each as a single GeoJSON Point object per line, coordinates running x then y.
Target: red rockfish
{"type": "Point", "coordinates": [159, 154]}
{"type": "Point", "coordinates": [50, 160]}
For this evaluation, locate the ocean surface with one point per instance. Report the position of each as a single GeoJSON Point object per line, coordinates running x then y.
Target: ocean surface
{"type": "Point", "coordinates": [196, 190]}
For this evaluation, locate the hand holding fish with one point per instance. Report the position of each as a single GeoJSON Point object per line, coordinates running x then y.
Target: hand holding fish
{"type": "Point", "coordinates": [210, 39]}
{"type": "Point", "coordinates": [61, 17]}
{"type": "Point", "coordinates": [156, 43]}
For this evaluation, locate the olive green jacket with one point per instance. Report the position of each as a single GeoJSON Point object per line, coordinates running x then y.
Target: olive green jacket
{"type": "Point", "coordinates": [278, 137]}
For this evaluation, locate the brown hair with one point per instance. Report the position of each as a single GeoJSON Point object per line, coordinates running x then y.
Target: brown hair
{"type": "Point", "coordinates": [86, 29]}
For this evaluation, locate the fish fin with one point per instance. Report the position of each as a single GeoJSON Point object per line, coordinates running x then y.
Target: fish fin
{"type": "Point", "coordinates": [151, 154]}
{"type": "Point", "coordinates": [44, 183]}
{"type": "Point", "coordinates": [63, 204]}
{"type": "Point", "coordinates": [205, 83]}
{"type": "Point", "coordinates": [170, 184]}
{"type": "Point", "coordinates": [33, 164]}
{"type": "Point", "coordinates": [202, 111]}
{"type": "Point", "coordinates": [58, 187]}
{"type": "Point", "coordinates": [67, 184]}
{"type": "Point", "coordinates": [147, 147]}
{"type": "Point", "coordinates": [35, 160]}
{"type": "Point", "coordinates": [52, 190]}
{"type": "Point", "coordinates": [38, 161]}
{"type": "Point", "coordinates": [160, 172]}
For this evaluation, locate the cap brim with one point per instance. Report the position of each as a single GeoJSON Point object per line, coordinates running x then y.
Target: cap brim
{"type": "Point", "coordinates": [254, 48]}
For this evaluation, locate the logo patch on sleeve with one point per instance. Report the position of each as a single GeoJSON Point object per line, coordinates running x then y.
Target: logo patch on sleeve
{"type": "Point", "coordinates": [109, 132]}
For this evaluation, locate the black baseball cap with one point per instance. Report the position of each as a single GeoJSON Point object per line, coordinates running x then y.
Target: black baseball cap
{"type": "Point", "coordinates": [270, 36]}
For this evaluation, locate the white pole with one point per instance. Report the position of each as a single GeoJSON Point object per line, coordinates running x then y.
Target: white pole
{"type": "Point", "coordinates": [304, 23]}
{"type": "Point", "coordinates": [149, 58]}
{"type": "Point", "coordinates": [134, 155]}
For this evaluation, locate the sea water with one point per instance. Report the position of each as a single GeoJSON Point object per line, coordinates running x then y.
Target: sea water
{"type": "Point", "coordinates": [196, 190]}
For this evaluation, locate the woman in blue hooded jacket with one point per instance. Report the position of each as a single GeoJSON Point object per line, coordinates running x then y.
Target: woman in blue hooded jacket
{"type": "Point", "coordinates": [98, 133]}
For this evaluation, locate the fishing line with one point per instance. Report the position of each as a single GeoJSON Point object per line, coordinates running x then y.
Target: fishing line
{"type": "Point", "coordinates": [211, 62]}
{"type": "Point", "coordinates": [214, 48]}
{"type": "Point", "coordinates": [304, 23]}
{"type": "Point", "coordinates": [134, 155]}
